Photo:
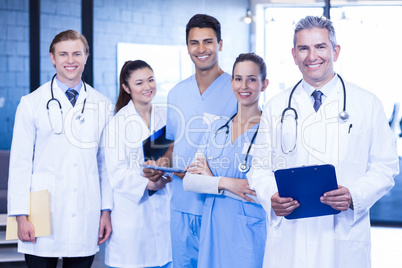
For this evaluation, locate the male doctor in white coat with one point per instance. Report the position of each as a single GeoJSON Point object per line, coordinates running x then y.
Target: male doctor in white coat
{"type": "Point", "coordinates": [55, 147]}
{"type": "Point", "coordinates": [362, 149]}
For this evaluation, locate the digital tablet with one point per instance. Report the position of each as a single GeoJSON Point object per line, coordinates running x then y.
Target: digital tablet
{"type": "Point", "coordinates": [165, 169]}
{"type": "Point", "coordinates": [306, 185]}
{"type": "Point", "coordinates": [155, 145]}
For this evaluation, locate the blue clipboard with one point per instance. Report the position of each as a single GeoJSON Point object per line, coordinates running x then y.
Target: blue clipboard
{"type": "Point", "coordinates": [306, 185]}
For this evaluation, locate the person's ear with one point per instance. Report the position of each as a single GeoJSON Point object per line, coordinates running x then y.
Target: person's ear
{"type": "Point", "coordinates": [126, 89]}
{"type": "Point", "coordinates": [265, 85]}
{"type": "Point", "coordinates": [337, 50]}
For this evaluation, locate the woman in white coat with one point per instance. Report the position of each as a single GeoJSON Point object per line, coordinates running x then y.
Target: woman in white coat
{"type": "Point", "coordinates": [362, 149]}
{"type": "Point", "coordinates": [140, 219]}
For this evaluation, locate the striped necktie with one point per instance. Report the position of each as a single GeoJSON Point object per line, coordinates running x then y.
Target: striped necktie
{"type": "Point", "coordinates": [317, 99]}
{"type": "Point", "coordinates": [71, 95]}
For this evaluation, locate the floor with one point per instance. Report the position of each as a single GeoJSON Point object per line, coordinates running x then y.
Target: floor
{"type": "Point", "coordinates": [386, 250]}
{"type": "Point", "coordinates": [386, 247]}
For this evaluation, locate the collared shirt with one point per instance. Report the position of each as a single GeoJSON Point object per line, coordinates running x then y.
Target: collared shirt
{"type": "Point", "coordinates": [64, 87]}
{"type": "Point", "coordinates": [326, 89]}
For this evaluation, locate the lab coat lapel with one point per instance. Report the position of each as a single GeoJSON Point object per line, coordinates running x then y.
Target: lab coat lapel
{"type": "Point", "coordinates": [144, 130]}
{"type": "Point", "coordinates": [157, 120]}
{"type": "Point", "coordinates": [333, 105]}
{"type": "Point", "coordinates": [61, 97]}
{"type": "Point", "coordinates": [82, 96]}
{"type": "Point", "coordinates": [301, 101]}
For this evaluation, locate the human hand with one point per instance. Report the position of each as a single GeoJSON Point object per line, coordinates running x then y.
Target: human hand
{"type": "Point", "coordinates": [105, 226]}
{"type": "Point", "coordinates": [180, 174]}
{"type": "Point", "coordinates": [158, 185]}
{"type": "Point", "coordinates": [239, 187]}
{"type": "Point", "coordinates": [339, 199]}
{"type": "Point", "coordinates": [152, 174]}
{"type": "Point", "coordinates": [26, 231]}
{"type": "Point", "coordinates": [283, 206]}
{"type": "Point", "coordinates": [200, 167]}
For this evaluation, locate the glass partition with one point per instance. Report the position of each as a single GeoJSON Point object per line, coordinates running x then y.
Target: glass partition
{"type": "Point", "coordinates": [370, 57]}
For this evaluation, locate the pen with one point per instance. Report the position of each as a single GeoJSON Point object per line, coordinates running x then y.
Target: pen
{"type": "Point", "coordinates": [350, 126]}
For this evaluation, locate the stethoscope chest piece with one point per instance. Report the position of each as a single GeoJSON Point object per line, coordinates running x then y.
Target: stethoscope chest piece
{"type": "Point", "coordinates": [243, 167]}
{"type": "Point", "coordinates": [80, 119]}
{"type": "Point", "coordinates": [343, 116]}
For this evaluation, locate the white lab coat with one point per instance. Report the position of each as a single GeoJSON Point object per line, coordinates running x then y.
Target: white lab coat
{"type": "Point", "coordinates": [69, 166]}
{"type": "Point", "coordinates": [141, 229]}
{"type": "Point", "coordinates": [365, 160]}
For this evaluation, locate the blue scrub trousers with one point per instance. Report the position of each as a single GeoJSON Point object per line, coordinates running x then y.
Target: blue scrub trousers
{"type": "Point", "coordinates": [185, 231]}
{"type": "Point", "coordinates": [167, 265]}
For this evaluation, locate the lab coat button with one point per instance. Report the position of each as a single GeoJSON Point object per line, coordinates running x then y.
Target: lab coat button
{"type": "Point", "coordinates": [75, 164]}
{"type": "Point", "coordinates": [73, 215]}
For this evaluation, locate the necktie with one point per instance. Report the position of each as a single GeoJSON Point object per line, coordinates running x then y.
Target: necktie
{"type": "Point", "coordinates": [317, 99]}
{"type": "Point", "coordinates": [71, 94]}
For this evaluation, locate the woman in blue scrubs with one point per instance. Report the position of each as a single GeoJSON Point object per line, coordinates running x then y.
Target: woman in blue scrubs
{"type": "Point", "coordinates": [233, 227]}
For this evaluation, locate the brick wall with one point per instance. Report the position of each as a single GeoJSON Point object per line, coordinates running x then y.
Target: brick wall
{"type": "Point", "coordinates": [14, 63]}
{"type": "Point", "coordinates": [160, 22]}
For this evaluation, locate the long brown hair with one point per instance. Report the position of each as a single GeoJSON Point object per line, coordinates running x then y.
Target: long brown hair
{"type": "Point", "coordinates": [125, 73]}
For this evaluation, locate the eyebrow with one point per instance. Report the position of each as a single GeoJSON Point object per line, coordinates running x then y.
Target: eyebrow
{"type": "Point", "coordinates": [207, 39]}
{"type": "Point", "coordinates": [138, 80]}
{"type": "Point", "coordinates": [251, 75]}
{"type": "Point", "coordinates": [78, 51]}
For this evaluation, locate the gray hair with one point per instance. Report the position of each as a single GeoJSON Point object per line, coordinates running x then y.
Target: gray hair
{"type": "Point", "coordinates": [310, 22]}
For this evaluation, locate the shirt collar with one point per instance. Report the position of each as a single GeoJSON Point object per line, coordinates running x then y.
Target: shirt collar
{"type": "Point", "coordinates": [64, 87]}
{"type": "Point", "coordinates": [326, 89]}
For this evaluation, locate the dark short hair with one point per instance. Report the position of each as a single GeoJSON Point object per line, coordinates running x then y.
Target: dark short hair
{"type": "Point", "coordinates": [128, 68]}
{"type": "Point", "coordinates": [69, 35]}
{"type": "Point", "coordinates": [204, 21]}
{"type": "Point", "coordinates": [310, 22]}
{"type": "Point", "coordinates": [254, 58]}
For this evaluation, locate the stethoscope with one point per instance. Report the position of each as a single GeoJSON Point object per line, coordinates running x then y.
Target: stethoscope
{"type": "Point", "coordinates": [342, 117]}
{"type": "Point", "coordinates": [80, 118]}
{"type": "Point", "coordinates": [243, 167]}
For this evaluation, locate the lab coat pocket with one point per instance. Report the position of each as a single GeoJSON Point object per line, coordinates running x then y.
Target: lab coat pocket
{"type": "Point", "coordinates": [353, 143]}
{"type": "Point", "coordinates": [41, 182]}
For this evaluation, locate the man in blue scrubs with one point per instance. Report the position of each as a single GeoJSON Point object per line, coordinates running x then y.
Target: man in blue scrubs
{"type": "Point", "coordinates": [193, 104]}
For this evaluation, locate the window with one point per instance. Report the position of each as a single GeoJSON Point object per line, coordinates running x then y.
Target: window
{"type": "Point", "coordinates": [370, 57]}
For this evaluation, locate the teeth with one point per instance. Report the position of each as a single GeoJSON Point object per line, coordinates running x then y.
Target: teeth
{"type": "Point", "coordinates": [70, 68]}
{"type": "Point", "coordinates": [245, 94]}
{"type": "Point", "coordinates": [313, 65]}
{"type": "Point", "coordinates": [203, 57]}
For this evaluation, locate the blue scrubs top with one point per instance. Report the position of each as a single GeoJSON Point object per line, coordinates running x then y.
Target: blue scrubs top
{"type": "Point", "coordinates": [189, 117]}
{"type": "Point", "coordinates": [233, 232]}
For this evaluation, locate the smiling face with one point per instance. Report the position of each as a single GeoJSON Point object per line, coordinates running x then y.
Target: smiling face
{"type": "Point", "coordinates": [315, 56]}
{"type": "Point", "coordinates": [141, 86]}
{"type": "Point", "coordinates": [69, 59]}
{"type": "Point", "coordinates": [203, 48]}
{"type": "Point", "coordinates": [247, 83]}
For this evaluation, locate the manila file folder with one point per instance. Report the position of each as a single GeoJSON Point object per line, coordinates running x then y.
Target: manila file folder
{"type": "Point", "coordinates": [39, 216]}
